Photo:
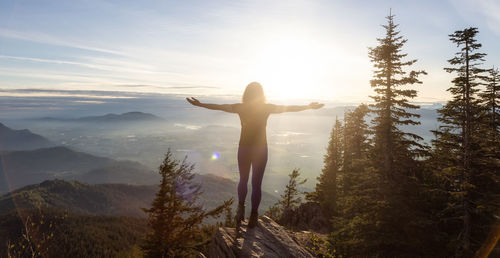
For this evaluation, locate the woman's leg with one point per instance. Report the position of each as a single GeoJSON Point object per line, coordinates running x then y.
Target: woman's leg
{"type": "Point", "coordinates": [244, 161]}
{"type": "Point", "coordinates": [259, 161]}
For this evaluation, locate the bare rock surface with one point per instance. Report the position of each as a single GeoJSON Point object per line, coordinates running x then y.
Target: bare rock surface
{"type": "Point", "coordinates": [268, 239]}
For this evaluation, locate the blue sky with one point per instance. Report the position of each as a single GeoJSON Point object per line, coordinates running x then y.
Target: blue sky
{"type": "Point", "coordinates": [296, 49]}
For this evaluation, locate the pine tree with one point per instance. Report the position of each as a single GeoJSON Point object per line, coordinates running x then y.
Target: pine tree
{"type": "Point", "coordinates": [290, 199]}
{"type": "Point", "coordinates": [490, 99]}
{"type": "Point", "coordinates": [325, 192]}
{"type": "Point", "coordinates": [393, 147]}
{"type": "Point", "coordinates": [353, 229]}
{"type": "Point", "coordinates": [396, 154]}
{"type": "Point", "coordinates": [356, 131]}
{"type": "Point", "coordinates": [229, 218]}
{"type": "Point", "coordinates": [489, 154]}
{"type": "Point", "coordinates": [356, 148]}
{"type": "Point", "coordinates": [174, 217]}
{"type": "Point", "coordinates": [463, 167]}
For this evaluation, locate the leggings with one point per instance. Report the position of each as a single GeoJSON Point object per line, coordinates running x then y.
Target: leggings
{"type": "Point", "coordinates": [255, 156]}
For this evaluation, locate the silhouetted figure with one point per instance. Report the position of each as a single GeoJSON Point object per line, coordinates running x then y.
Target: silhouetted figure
{"type": "Point", "coordinates": [252, 151]}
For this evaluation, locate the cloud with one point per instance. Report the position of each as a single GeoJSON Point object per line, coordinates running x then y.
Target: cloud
{"type": "Point", "coordinates": [84, 94]}
{"type": "Point", "coordinates": [167, 87]}
{"type": "Point", "coordinates": [491, 8]}
{"type": "Point", "coordinates": [48, 39]}
{"type": "Point", "coordinates": [488, 10]}
{"type": "Point", "coordinates": [110, 72]}
{"type": "Point", "coordinates": [96, 95]}
{"type": "Point", "coordinates": [104, 64]}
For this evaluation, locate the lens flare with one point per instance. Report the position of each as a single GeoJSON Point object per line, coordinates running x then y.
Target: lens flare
{"type": "Point", "coordinates": [215, 156]}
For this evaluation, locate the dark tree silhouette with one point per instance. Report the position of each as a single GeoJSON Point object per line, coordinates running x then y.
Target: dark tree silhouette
{"type": "Point", "coordinates": [357, 193]}
{"type": "Point", "coordinates": [356, 131]}
{"type": "Point", "coordinates": [174, 217]}
{"type": "Point", "coordinates": [325, 192]}
{"type": "Point", "coordinates": [394, 193]}
{"type": "Point", "coordinates": [290, 199]}
{"type": "Point", "coordinates": [394, 149]}
{"type": "Point", "coordinates": [490, 98]}
{"type": "Point", "coordinates": [467, 167]}
{"type": "Point", "coordinates": [291, 196]}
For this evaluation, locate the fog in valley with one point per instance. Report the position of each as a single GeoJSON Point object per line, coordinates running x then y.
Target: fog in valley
{"type": "Point", "coordinates": [209, 139]}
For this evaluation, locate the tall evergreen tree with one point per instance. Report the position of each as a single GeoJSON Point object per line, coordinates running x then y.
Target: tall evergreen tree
{"type": "Point", "coordinates": [395, 156]}
{"type": "Point", "coordinates": [467, 178]}
{"type": "Point", "coordinates": [290, 199]}
{"type": "Point", "coordinates": [491, 100]}
{"type": "Point", "coordinates": [354, 232]}
{"type": "Point", "coordinates": [174, 217]}
{"type": "Point", "coordinates": [356, 147]}
{"type": "Point", "coordinates": [393, 147]}
{"type": "Point", "coordinates": [325, 192]}
{"type": "Point", "coordinates": [356, 131]}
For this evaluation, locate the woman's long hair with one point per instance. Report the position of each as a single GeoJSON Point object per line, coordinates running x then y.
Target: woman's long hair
{"type": "Point", "coordinates": [254, 93]}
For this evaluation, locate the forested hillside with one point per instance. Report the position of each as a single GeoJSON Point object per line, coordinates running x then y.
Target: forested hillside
{"type": "Point", "coordinates": [389, 194]}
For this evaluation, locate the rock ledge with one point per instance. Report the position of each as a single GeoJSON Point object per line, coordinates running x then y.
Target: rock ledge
{"type": "Point", "coordinates": [268, 239]}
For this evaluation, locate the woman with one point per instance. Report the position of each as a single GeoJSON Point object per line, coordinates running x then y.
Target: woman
{"type": "Point", "coordinates": [252, 150]}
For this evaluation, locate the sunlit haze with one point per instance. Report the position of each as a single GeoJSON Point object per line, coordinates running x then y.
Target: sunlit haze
{"type": "Point", "coordinates": [296, 49]}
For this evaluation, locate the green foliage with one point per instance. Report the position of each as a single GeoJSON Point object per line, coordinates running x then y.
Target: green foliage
{"type": "Point", "coordinates": [274, 212]}
{"type": "Point", "coordinates": [389, 194]}
{"type": "Point", "coordinates": [465, 154]}
{"type": "Point", "coordinates": [65, 234]}
{"type": "Point", "coordinates": [321, 247]}
{"type": "Point", "coordinates": [229, 218]}
{"type": "Point", "coordinates": [379, 198]}
{"type": "Point", "coordinates": [490, 99]}
{"type": "Point", "coordinates": [174, 217]}
{"type": "Point", "coordinates": [36, 236]}
{"type": "Point", "coordinates": [290, 198]}
{"type": "Point", "coordinates": [394, 149]}
{"type": "Point", "coordinates": [326, 188]}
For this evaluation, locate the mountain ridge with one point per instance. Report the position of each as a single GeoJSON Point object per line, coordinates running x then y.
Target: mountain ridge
{"type": "Point", "coordinates": [23, 139]}
{"type": "Point", "coordinates": [112, 199]}
{"type": "Point", "coordinates": [110, 117]}
{"type": "Point", "coordinates": [20, 168]}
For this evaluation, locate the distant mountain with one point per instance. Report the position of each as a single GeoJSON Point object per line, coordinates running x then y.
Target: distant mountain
{"type": "Point", "coordinates": [20, 168]}
{"type": "Point", "coordinates": [112, 199]}
{"type": "Point", "coordinates": [120, 172]}
{"type": "Point", "coordinates": [77, 197]}
{"type": "Point", "coordinates": [21, 139]}
{"type": "Point", "coordinates": [125, 117]}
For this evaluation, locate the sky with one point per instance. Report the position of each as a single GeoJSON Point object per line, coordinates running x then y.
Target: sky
{"type": "Point", "coordinates": [312, 49]}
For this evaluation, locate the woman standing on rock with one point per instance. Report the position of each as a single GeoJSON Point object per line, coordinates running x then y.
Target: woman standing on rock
{"type": "Point", "coordinates": [252, 150]}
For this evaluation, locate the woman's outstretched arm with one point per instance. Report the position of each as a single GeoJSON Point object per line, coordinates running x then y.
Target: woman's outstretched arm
{"type": "Point", "coordinates": [223, 107]}
{"type": "Point", "coordinates": [281, 109]}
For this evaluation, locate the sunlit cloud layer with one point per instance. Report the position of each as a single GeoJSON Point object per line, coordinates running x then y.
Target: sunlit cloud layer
{"type": "Point", "coordinates": [296, 49]}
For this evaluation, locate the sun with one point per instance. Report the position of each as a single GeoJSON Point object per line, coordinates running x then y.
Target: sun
{"type": "Point", "coordinates": [292, 68]}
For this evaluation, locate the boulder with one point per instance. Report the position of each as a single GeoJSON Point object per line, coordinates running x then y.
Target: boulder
{"type": "Point", "coordinates": [268, 239]}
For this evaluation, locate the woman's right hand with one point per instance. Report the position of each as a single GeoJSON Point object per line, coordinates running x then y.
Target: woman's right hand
{"type": "Point", "coordinates": [193, 101]}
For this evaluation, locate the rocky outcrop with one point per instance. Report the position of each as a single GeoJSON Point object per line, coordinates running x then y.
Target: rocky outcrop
{"type": "Point", "coordinates": [268, 239]}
